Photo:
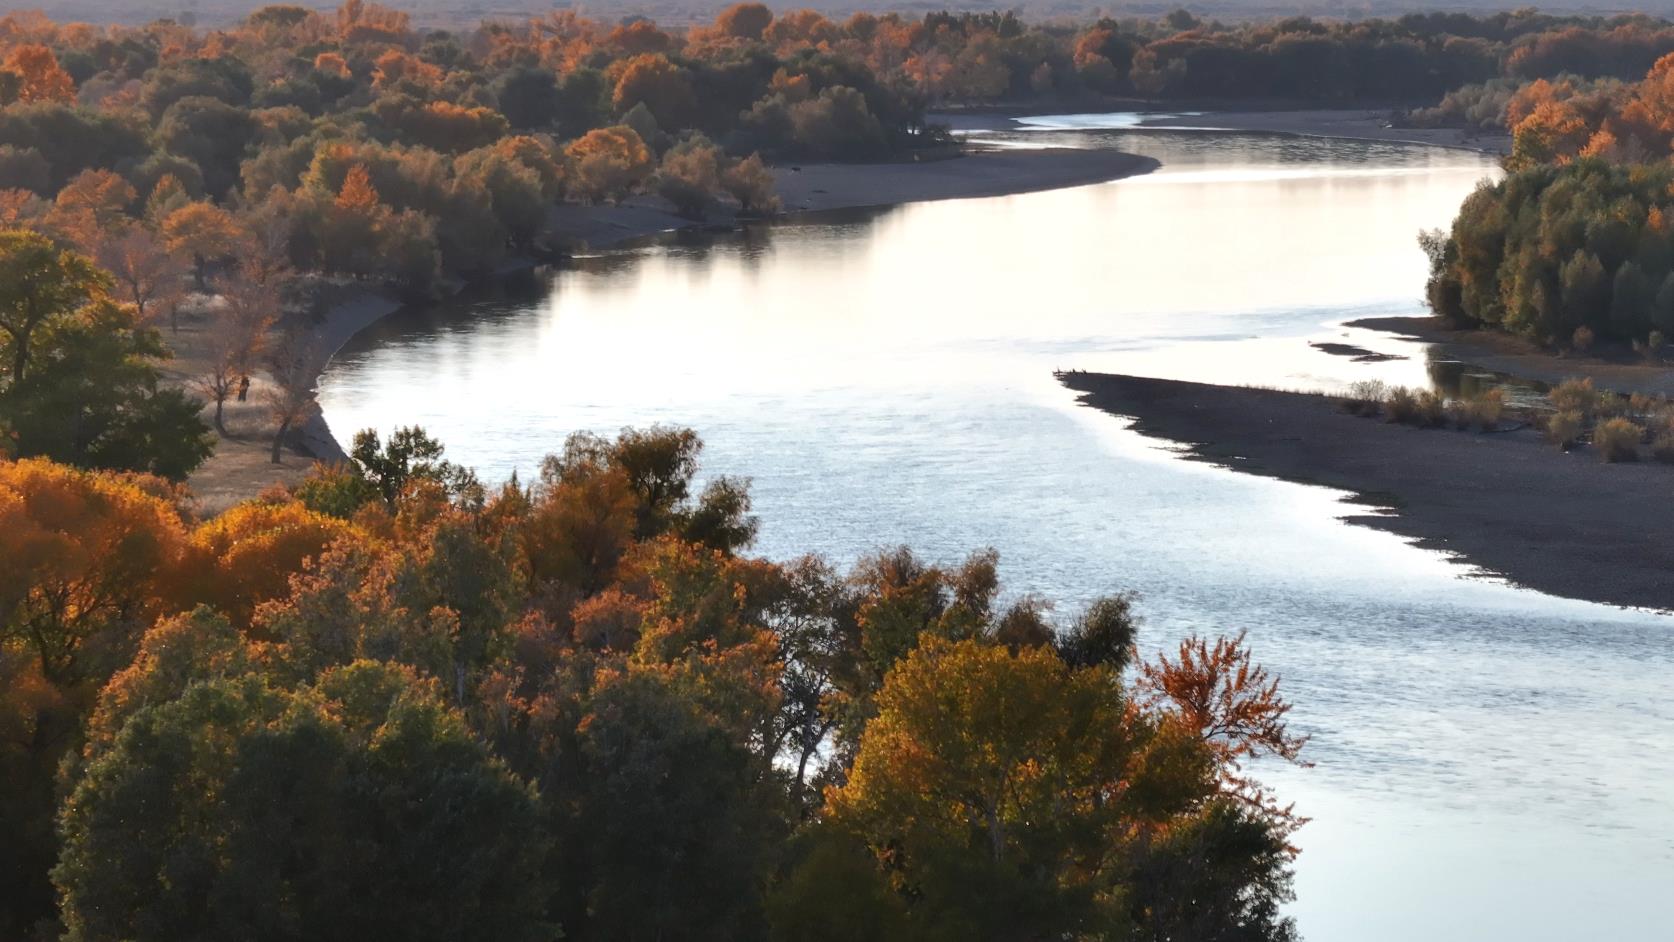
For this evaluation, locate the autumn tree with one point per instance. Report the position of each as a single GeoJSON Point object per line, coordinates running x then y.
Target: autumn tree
{"type": "Point", "coordinates": [144, 272]}
{"type": "Point", "coordinates": [88, 561]}
{"type": "Point", "coordinates": [204, 232]}
{"type": "Point", "coordinates": [750, 183]}
{"type": "Point", "coordinates": [608, 163]}
{"type": "Point", "coordinates": [293, 361]}
{"type": "Point", "coordinates": [236, 333]}
{"type": "Point", "coordinates": [1233, 705]}
{"type": "Point", "coordinates": [658, 84]}
{"type": "Point", "coordinates": [92, 208]}
{"type": "Point", "coordinates": [744, 20]}
{"type": "Point", "coordinates": [39, 76]}
{"type": "Point", "coordinates": [690, 176]}
{"type": "Point", "coordinates": [247, 555]}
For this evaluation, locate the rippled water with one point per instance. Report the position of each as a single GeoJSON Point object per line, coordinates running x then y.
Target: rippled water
{"type": "Point", "coordinates": [1491, 763]}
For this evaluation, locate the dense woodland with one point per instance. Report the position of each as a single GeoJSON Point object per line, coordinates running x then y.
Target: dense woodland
{"type": "Point", "coordinates": [1577, 241]}
{"type": "Point", "coordinates": [391, 704]}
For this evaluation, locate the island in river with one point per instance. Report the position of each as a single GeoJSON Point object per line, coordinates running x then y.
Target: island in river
{"type": "Point", "coordinates": [1565, 524]}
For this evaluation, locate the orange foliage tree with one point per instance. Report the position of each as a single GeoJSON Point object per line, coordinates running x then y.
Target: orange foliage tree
{"type": "Point", "coordinates": [247, 555]}
{"type": "Point", "coordinates": [608, 163]}
{"type": "Point", "coordinates": [39, 76]}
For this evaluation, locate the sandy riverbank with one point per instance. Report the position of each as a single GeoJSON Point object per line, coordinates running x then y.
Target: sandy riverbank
{"type": "Point", "coordinates": [823, 187]}
{"type": "Point", "coordinates": [240, 467]}
{"type": "Point", "coordinates": [1566, 524]}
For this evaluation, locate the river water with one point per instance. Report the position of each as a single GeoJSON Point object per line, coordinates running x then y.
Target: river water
{"type": "Point", "coordinates": [1490, 763]}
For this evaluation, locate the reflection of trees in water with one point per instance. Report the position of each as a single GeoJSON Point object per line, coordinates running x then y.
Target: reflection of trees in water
{"type": "Point", "coordinates": [1457, 379]}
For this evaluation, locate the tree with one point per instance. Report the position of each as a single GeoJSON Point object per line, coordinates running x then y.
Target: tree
{"type": "Point", "coordinates": [144, 272]}
{"type": "Point", "coordinates": [212, 134]}
{"type": "Point", "coordinates": [529, 97]}
{"type": "Point", "coordinates": [752, 185]}
{"type": "Point", "coordinates": [247, 555]}
{"type": "Point", "coordinates": [744, 20]}
{"type": "Point", "coordinates": [39, 76]}
{"type": "Point", "coordinates": [609, 163]}
{"type": "Point", "coordinates": [690, 176]}
{"type": "Point", "coordinates": [990, 780]}
{"type": "Point", "coordinates": [87, 561]}
{"type": "Point", "coordinates": [661, 86]}
{"type": "Point", "coordinates": [83, 386]}
{"type": "Point", "coordinates": [411, 455]}
{"type": "Point", "coordinates": [355, 807]}
{"type": "Point", "coordinates": [675, 819]}
{"type": "Point", "coordinates": [39, 285]}
{"type": "Point", "coordinates": [235, 336]}
{"type": "Point", "coordinates": [1233, 706]}
{"type": "Point", "coordinates": [92, 207]}
{"type": "Point", "coordinates": [293, 362]}
{"type": "Point", "coordinates": [205, 232]}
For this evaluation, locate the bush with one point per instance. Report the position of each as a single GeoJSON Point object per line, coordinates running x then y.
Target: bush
{"type": "Point", "coordinates": [1400, 406]}
{"type": "Point", "coordinates": [1582, 340]}
{"type": "Point", "coordinates": [1662, 448]}
{"type": "Point", "coordinates": [1562, 428]}
{"type": "Point", "coordinates": [1575, 395]}
{"type": "Point", "coordinates": [1617, 440]}
{"type": "Point", "coordinates": [1483, 410]}
{"type": "Point", "coordinates": [1431, 410]}
{"type": "Point", "coordinates": [1365, 397]}
{"type": "Point", "coordinates": [1654, 344]}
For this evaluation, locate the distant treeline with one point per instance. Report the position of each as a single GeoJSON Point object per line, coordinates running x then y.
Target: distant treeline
{"type": "Point", "coordinates": [357, 143]}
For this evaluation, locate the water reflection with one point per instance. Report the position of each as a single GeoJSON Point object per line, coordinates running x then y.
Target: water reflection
{"type": "Point", "coordinates": [886, 377]}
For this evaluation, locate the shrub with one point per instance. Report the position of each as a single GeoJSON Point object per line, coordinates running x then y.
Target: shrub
{"type": "Point", "coordinates": [1582, 340]}
{"type": "Point", "coordinates": [1575, 395]}
{"type": "Point", "coordinates": [1401, 405]}
{"type": "Point", "coordinates": [1431, 410]}
{"type": "Point", "coordinates": [1617, 440]}
{"type": "Point", "coordinates": [1484, 409]}
{"type": "Point", "coordinates": [1365, 397]}
{"type": "Point", "coordinates": [1563, 427]}
{"type": "Point", "coordinates": [1654, 344]}
{"type": "Point", "coordinates": [1662, 448]}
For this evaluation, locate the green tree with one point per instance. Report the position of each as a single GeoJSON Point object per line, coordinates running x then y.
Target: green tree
{"type": "Point", "coordinates": [529, 97]}
{"type": "Point", "coordinates": [410, 455]}
{"type": "Point", "coordinates": [82, 385]}
{"type": "Point", "coordinates": [676, 820]}
{"type": "Point", "coordinates": [359, 807]}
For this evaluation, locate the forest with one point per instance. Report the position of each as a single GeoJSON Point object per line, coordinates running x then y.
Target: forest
{"type": "Point", "coordinates": [1576, 242]}
{"type": "Point", "coordinates": [357, 144]}
{"type": "Point", "coordinates": [391, 702]}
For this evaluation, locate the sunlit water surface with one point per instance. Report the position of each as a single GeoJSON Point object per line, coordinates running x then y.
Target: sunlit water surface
{"type": "Point", "coordinates": [1491, 763]}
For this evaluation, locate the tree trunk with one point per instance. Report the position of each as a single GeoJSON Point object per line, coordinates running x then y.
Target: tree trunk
{"type": "Point", "coordinates": [279, 439]}
{"type": "Point", "coordinates": [20, 356]}
{"type": "Point", "coordinates": [220, 403]}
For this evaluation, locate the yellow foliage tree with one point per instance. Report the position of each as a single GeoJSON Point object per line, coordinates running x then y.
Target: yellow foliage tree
{"type": "Point", "coordinates": [247, 555]}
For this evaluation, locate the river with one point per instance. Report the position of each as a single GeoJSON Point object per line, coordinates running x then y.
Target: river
{"type": "Point", "coordinates": [1490, 763]}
